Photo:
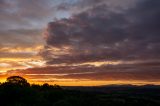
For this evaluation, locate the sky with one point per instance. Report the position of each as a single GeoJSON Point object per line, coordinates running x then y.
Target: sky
{"type": "Point", "coordinates": [81, 42]}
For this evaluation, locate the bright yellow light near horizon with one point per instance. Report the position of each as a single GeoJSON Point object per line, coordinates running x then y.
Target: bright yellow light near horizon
{"type": "Point", "coordinates": [3, 79]}
{"type": "Point", "coordinates": [20, 64]}
{"type": "Point", "coordinates": [92, 82]}
{"type": "Point", "coordinates": [5, 65]}
{"type": "Point", "coordinates": [58, 51]}
{"type": "Point", "coordinates": [98, 64]}
{"type": "Point", "coordinates": [13, 63]}
{"type": "Point", "coordinates": [21, 49]}
{"type": "Point", "coordinates": [15, 59]}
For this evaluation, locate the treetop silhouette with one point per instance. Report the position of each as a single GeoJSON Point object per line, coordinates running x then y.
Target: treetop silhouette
{"type": "Point", "coordinates": [17, 80]}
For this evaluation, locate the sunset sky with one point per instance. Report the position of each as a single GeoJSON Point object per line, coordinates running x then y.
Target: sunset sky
{"type": "Point", "coordinates": [81, 42]}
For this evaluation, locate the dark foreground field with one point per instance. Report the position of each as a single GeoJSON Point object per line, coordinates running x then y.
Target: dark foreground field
{"type": "Point", "coordinates": [24, 94]}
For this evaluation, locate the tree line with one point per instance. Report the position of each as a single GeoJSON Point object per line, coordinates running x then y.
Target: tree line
{"type": "Point", "coordinates": [16, 91]}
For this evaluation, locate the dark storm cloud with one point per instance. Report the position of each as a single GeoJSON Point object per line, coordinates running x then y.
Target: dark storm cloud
{"type": "Point", "coordinates": [99, 34]}
{"type": "Point", "coordinates": [90, 34]}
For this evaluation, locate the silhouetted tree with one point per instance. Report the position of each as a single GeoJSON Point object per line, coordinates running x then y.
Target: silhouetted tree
{"type": "Point", "coordinates": [17, 80]}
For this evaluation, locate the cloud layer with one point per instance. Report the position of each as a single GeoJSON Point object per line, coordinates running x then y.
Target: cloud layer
{"type": "Point", "coordinates": [101, 34]}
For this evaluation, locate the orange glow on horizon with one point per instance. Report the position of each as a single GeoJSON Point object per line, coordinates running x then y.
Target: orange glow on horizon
{"type": "Point", "coordinates": [96, 83]}
{"type": "Point", "coordinates": [73, 82]}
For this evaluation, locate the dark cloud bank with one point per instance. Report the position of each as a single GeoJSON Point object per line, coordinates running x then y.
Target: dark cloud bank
{"type": "Point", "coordinates": [100, 34]}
